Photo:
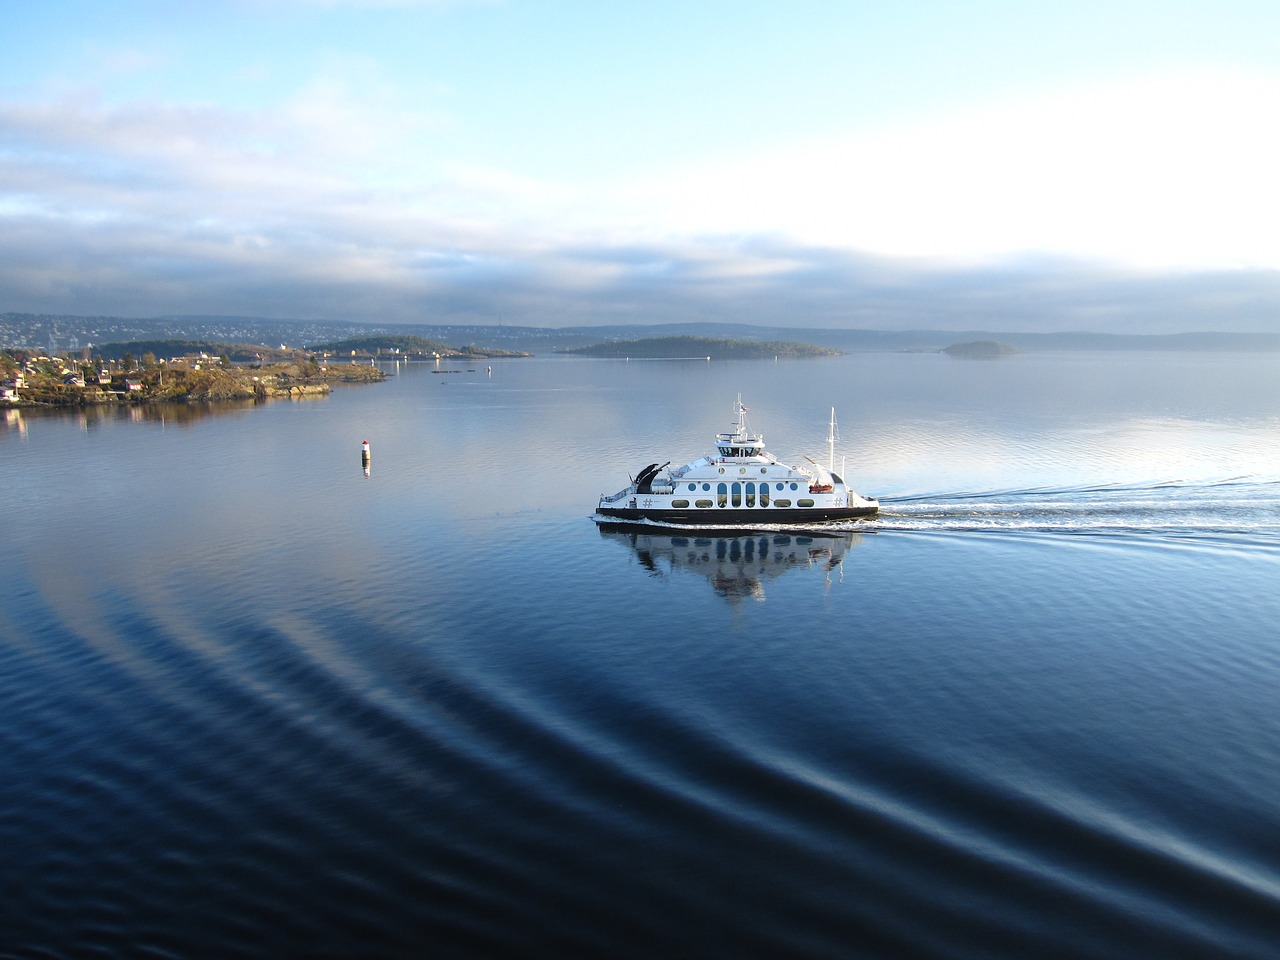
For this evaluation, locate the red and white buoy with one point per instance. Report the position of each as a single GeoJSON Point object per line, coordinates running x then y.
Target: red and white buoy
{"type": "Point", "coordinates": [364, 457]}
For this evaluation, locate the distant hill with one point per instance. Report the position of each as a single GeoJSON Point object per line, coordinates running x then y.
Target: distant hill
{"type": "Point", "coordinates": [56, 333]}
{"type": "Point", "coordinates": [672, 348]}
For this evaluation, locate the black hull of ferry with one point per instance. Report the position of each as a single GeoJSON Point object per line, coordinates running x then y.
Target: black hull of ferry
{"type": "Point", "coordinates": [728, 518]}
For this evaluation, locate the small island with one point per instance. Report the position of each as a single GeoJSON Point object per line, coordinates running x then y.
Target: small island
{"type": "Point", "coordinates": [57, 382]}
{"type": "Point", "coordinates": [980, 350]}
{"type": "Point", "coordinates": [389, 347]}
{"type": "Point", "coordinates": [700, 348]}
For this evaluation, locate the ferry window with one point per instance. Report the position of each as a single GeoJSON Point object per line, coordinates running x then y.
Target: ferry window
{"type": "Point", "coordinates": [751, 494]}
{"type": "Point", "coordinates": [781, 485]}
{"type": "Point", "coordinates": [706, 486]}
{"type": "Point", "coordinates": [781, 503]}
{"type": "Point", "coordinates": [722, 494]}
{"type": "Point", "coordinates": [795, 487]}
{"type": "Point", "coordinates": [737, 495]}
{"type": "Point", "coordinates": [703, 504]}
{"type": "Point", "coordinates": [764, 494]}
{"type": "Point", "coordinates": [680, 504]}
{"type": "Point", "coordinates": [805, 503]}
{"type": "Point", "coordinates": [693, 486]}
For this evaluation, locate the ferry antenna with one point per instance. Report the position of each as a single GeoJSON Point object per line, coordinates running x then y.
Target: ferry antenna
{"type": "Point", "coordinates": [832, 436]}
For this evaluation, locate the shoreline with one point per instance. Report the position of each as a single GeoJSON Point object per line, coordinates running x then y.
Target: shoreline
{"type": "Point", "coordinates": [186, 386]}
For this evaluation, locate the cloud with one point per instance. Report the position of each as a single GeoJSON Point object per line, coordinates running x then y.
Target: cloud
{"type": "Point", "coordinates": [337, 201]}
{"type": "Point", "coordinates": [1168, 171]}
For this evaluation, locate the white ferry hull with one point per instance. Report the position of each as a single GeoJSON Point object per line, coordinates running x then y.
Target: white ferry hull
{"type": "Point", "coordinates": [735, 518]}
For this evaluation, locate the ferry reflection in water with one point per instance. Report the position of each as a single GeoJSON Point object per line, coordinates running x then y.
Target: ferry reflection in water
{"type": "Point", "coordinates": [736, 564]}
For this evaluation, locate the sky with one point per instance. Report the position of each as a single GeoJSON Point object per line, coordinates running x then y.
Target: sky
{"type": "Point", "coordinates": [1100, 166]}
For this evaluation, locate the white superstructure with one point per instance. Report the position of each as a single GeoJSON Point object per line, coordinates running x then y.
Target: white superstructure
{"type": "Point", "coordinates": [739, 485]}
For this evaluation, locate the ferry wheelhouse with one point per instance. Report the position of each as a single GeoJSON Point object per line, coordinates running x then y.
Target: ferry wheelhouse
{"type": "Point", "coordinates": [740, 485]}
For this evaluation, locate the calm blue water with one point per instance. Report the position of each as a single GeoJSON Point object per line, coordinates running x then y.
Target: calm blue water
{"type": "Point", "coordinates": [255, 703]}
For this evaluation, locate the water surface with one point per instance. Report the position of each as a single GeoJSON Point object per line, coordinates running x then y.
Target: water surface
{"type": "Point", "coordinates": [255, 703]}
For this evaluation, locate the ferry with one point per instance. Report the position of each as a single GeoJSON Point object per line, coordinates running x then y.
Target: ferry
{"type": "Point", "coordinates": [740, 485]}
